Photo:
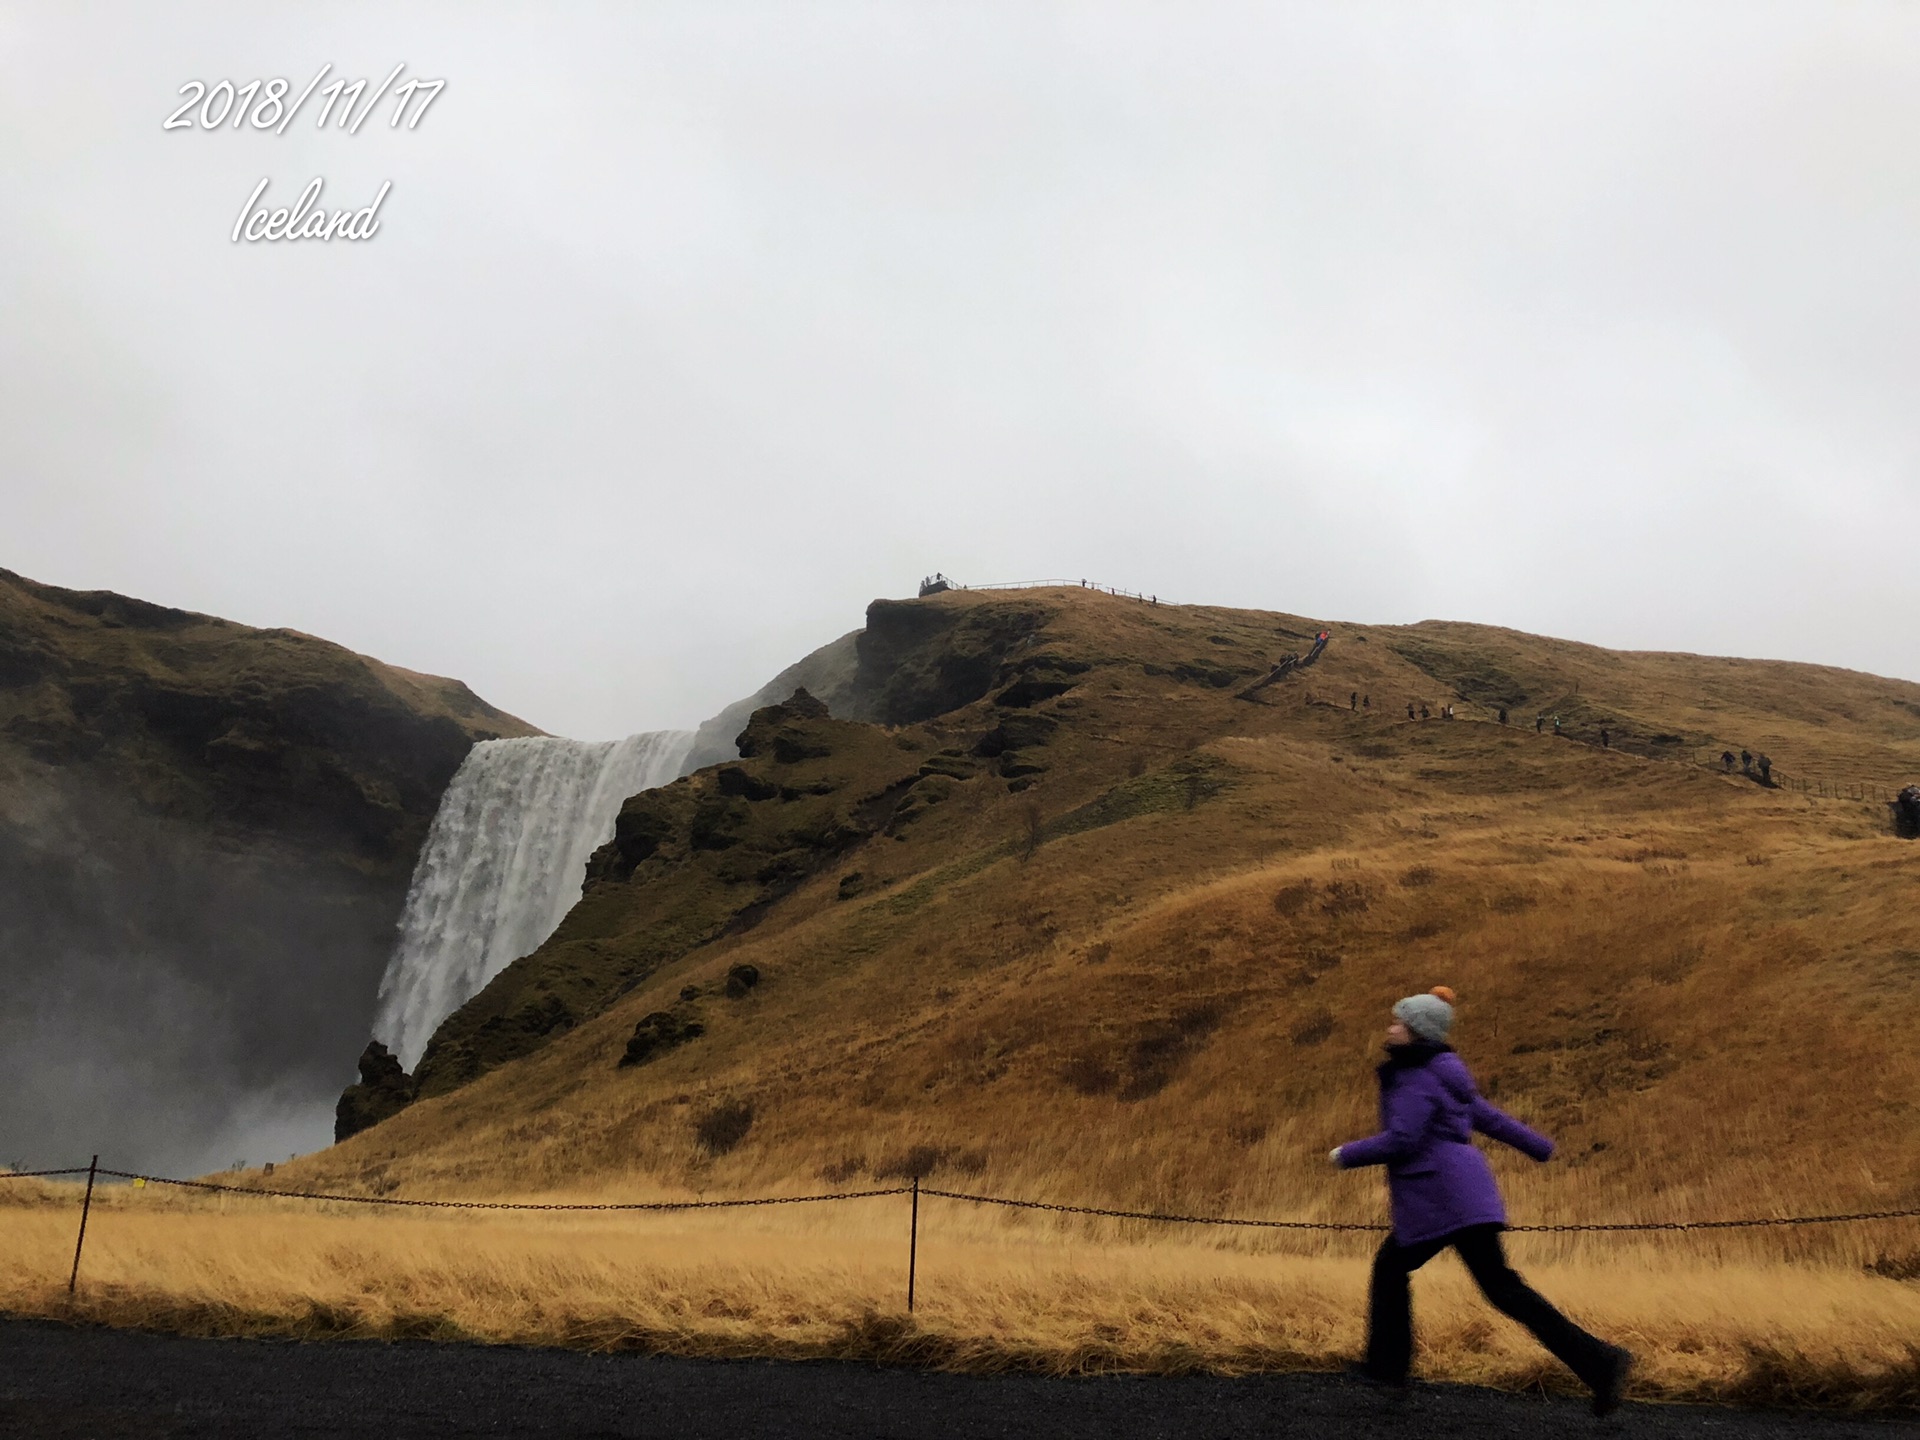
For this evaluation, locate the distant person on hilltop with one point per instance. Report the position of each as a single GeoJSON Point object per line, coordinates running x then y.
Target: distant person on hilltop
{"type": "Point", "coordinates": [1539, 723]}
{"type": "Point", "coordinates": [1726, 760]}
{"type": "Point", "coordinates": [1766, 770]}
{"type": "Point", "coordinates": [1443, 1194]}
{"type": "Point", "coordinates": [1746, 763]}
{"type": "Point", "coordinates": [1425, 714]}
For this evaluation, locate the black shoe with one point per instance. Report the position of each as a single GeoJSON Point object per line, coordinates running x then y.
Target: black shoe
{"type": "Point", "coordinates": [1606, 1395]}
{"type": "Point", "coordinates": [1360, 1372]}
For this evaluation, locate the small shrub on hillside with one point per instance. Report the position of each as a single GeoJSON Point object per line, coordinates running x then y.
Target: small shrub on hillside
{"type": "Point", "coordinates": [1895, 1267]}
{"type": "Point", "coordinates": [724, 1126]}
{"type": "Point", "coordinates": [1293, 898]}
{"type": "Point", "coordinates": [1346, 897]}
{"type": "Point", "coordinates": [843, 1169]}
{"type": "Point", "coordinates": [917, 1162]}
{"type": "Point", "coordinates": [1163, 1046]}
{"type": "Point", "coordinates": [1316, 1028]}
{"type": "Point", "coordinates": [1418, 877]}
{"type": "Point", "coordinates": [1089, 1075]}
{"type": "Point", "coordinates": [1313, 964]}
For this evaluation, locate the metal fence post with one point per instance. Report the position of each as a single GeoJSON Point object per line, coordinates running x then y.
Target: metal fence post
{"type": "Point", "coordinates": [913, 1243]}
{"type": "Point", "coordinates": [86, 1207]}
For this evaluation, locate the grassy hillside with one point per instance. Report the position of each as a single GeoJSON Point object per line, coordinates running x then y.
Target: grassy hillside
{"type": "Point", "coordinates": [1133, 940]}
{"type": "Point", "coordinates": [1056, 915]}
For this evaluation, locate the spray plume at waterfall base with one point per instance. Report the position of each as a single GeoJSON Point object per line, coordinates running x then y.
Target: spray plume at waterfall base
{"type": "Point", "coordinates": [503, 864]}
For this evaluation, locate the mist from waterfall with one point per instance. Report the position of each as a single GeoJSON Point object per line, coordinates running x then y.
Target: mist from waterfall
{"type": "Point", "coordinates": [503, 863]}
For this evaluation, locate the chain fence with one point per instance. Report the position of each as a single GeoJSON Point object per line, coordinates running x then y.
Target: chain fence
{"type": "Point", "coordinates": [95, 1172]}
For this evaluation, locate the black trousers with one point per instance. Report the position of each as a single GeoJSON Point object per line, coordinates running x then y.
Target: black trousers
{"type": "Point", "coordinates": [1390, 1316]}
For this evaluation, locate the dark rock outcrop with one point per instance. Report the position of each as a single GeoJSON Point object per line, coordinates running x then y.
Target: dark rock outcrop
{"type": "Point", "coordinates": [783, 732]}
{"type": "Point", "coordinates": [384, 1090]}
{"type": "Point", "coordinates": [1017, 730]}
{"type": "Point", "coordinates": [1906, 813]}
{"type": "Point", "coordinates": [659, 1032]}
{"type": "Point", "coordinates": [921, 658]}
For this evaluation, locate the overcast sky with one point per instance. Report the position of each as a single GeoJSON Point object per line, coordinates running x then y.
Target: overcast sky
{"type": "Point", "coordinates": [691, 328]}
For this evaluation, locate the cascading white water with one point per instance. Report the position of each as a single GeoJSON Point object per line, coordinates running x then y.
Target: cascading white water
{"type": "Point", "coordinates": [503, 863]}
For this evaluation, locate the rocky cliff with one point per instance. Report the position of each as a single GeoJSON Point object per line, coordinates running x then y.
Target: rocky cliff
{"type": "Point", "coordinates": [206, 831]}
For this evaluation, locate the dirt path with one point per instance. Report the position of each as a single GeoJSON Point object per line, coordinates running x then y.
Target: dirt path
{"type": "Point", "coordinates": [72, 1383]}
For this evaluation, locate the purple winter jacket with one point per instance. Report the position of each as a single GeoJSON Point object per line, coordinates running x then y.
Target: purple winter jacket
{"type": "Point", "coordinates": [1429, 1109]}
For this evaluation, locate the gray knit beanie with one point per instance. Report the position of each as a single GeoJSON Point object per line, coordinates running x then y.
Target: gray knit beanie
{"type": "Point", "coordinates": [1428, 1016]}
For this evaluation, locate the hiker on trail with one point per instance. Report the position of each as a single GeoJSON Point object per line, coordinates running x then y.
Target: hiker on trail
{"type": "Point", "coordinates": [1443, 1194]}
{"type": "Point", "coordinates": [1746, 763]}
{"type": "Point", "coordinates": [1606, 740]}
{"type": "Point", "coordinates": [1409, 710]}
{"type": "Point", "coordinates": [1766, 770]}
{"type": "Point", "coordinates": [1425, 713]}
{"type": "Point", "coordinates": [1353, 700]}
{"type": "Point", "coordinates": [1538, 722]}
{"type": "Point", "coordinates": [1366, 702]}
{"type": "Point", "coordinates": [1726, 760]}
{"type": "Point", "coordinates": [1503, 714]}
{"type": "Point", "coordinates": [1556, 724]}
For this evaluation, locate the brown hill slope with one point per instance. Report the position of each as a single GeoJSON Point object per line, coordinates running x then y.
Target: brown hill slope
{"type": "Point", "coordinates": [1086, 926]}
{"type": "Point", "coordinates": [206, 832]}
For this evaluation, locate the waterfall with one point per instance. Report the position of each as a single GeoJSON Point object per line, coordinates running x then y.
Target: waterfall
{"type": "Point", "coordinates": [503, 863]}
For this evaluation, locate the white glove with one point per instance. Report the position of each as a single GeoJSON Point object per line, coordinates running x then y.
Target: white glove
{"type": "Point", "coordinates": [1334, 1155]}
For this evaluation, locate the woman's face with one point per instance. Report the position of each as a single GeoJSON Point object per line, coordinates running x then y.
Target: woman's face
{"type": "Point", "coordinates": [1398, 1034]}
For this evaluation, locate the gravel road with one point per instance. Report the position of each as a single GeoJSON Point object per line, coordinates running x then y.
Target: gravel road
{"type": "Point", "coordinates": [82, 1383]}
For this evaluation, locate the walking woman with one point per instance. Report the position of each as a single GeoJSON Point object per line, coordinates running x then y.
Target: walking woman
{"type": "Point", "coordinates": [1443, 1194]}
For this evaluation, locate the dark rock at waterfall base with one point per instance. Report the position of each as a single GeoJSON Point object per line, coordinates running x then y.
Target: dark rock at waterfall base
{"type": "Point", "coordinates": [741, 979]}
{"type": "Point", "coordinates": [385, 1089]}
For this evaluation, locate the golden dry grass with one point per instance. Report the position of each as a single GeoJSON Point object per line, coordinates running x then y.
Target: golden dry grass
{"type": "Point", "coordinates": [993, 1293]}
